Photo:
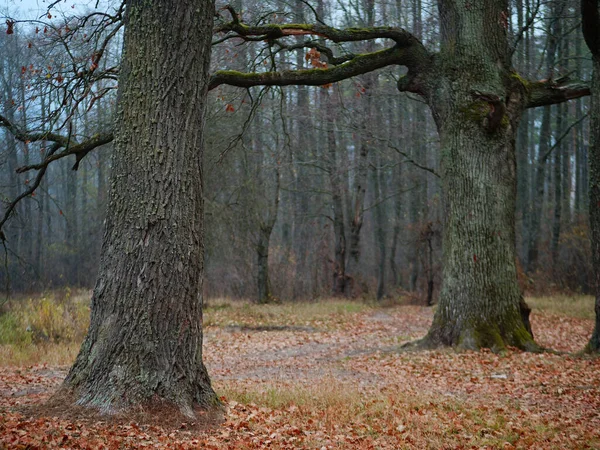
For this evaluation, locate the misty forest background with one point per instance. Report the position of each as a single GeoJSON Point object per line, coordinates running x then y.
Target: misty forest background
{"type": "Point", "coordinates": [284, 167]}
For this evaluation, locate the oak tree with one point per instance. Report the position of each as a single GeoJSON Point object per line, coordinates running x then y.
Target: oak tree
{"type": "Point", "coordinates": [144, 344]}
{"type": "Point", "coordinates": [477, 99]}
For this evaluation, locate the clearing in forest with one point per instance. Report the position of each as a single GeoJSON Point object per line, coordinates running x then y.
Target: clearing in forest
{"type": "Point", "coordinates": [329, 375]}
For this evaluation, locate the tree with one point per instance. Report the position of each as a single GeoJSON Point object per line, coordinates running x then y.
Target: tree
{"type": "Point", "coordinates": [476, 99]}
{"type": "Point", "coordinates": [153, 242]}
{"type": "Point", "coordinates": [144, 344]}
{"type": "Point", "coordinates": [591, 33]}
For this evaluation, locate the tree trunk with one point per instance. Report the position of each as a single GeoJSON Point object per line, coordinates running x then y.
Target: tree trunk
{"type": "Point", "coordinates": [537, 202]}
{"type": "Point", "coordinates": [477, 105]}
{"type": "Point", "coordinates": [334, 170]}
{"type": "Point", "coordinates": [144, 345]}
{"type": "Point", "coordinates": [555, 13]}
{"type": "Point", "coordinates": [379, 225]}
{"type": "Point", "coordinates": [591, 26]}
{"type": "Point", "coordinates": [558, 193]}
{"type": "Point", "coordinates": [262, 253]}
{"type": "Point", "coordinates": [265, 227]}
{"type": "Point", "coordinates": [359, 187]}
{"type": "Point", "coordinates": [594, 202]}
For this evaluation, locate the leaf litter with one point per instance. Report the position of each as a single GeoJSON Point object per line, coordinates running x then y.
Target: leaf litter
{"type": "Point", "coordinates": [337, 381]}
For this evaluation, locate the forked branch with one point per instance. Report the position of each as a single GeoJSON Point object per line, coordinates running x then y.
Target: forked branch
{"type": "Point", "coordinates": [407, 51]}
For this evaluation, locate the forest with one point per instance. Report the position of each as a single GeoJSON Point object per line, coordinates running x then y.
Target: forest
{"type": "Point", "coordinates": [300, 224]}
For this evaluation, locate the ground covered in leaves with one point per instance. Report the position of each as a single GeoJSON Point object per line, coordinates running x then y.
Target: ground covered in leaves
{"type": "Point", "coordinates": [329, 376]}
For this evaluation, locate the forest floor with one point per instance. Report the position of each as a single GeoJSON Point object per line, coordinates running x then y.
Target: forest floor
{"type": "Point", "coordinates": [329, 376]}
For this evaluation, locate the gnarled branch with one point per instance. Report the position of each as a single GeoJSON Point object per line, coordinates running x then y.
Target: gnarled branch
{"type": "Point", "coordinates": [360, 64]}
{"type": "Point", "coordinates": [548, 92]}
{"type": "Point", "coordinates": [408, 51]}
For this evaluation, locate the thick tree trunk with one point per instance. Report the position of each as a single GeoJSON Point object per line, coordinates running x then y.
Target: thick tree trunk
{"type": "Point", "coordinates": [591, 32]}
{"type": "Point", "coordinates": [594, 202]}
{"type": "Point", "coordinates": [144, 345]}
{"type": "Point", "coordinates": [477, 105]}
{"type": "Point", "coordinates": [480, 299]}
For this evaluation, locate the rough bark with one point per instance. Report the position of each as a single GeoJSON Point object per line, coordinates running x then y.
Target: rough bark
{"type": "Point", "coordinates": [477, 103]}
{"type": "Point", "coordinates": [144, 345]}
{"type": "Point", "coordinates": [591, 33]}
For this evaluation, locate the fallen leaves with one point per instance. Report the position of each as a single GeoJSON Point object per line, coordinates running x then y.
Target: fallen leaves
{"type": "Point", "coordinates": [334, 379]}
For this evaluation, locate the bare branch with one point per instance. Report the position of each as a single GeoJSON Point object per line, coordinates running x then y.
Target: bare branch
{"type": "Point", "coordinates": [38, 179]}
{"type": "Point", "coordinates": [359, 64]}
{"type": "Point", "coordinates": [79, 150]}
{"type": "Point", "coordinates": [549, 92]}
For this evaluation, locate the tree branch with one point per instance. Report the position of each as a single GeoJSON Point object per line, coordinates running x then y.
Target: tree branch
{"type": "Point", "coordinates": [25, 136]}
{"type": "Point", "coordinates": [358, 65]}
{"type": "Point", "coordinates": [273, 31]}
{"type": "Point", "coordinates": [38, 179]}
{"type": "Point", "coordinates": [408, 51]}
{"type": "Point", "coordinates": [80, 150]}
{"type": "Point", "coordinates": [549, 92]}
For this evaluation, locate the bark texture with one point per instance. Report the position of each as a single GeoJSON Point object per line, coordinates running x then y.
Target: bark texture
{"type": "Point", "coordinates": [594, 162]}
{"type": "Point", "coordinates": [591, 33]}
{"type": "Point", "coordinates": [477, 103]}
{"type": "Point", "coordinates": [144, 345]}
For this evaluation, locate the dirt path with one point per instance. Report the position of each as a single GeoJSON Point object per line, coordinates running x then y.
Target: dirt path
{"type": "Point", "coordinates": [308, 354]}
{"type": "Point", "coordinates": [335, 384]}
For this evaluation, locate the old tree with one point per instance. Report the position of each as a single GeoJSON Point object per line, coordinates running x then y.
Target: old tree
{"type": "Point", "coordinates": [476, 99]}
{"type": "Point", "coordinates": [145, 339]}
{"type": "Point", "coordinates": [144, 344]}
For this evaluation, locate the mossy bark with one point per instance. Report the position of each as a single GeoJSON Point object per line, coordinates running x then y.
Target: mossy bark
{"type": "Point", "coordinates": [144, 345]}
{"type": "Point", "coordinates": [477, 103]}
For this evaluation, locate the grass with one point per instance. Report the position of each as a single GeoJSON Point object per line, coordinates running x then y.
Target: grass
{"type": "Point", "coordinates": [44, 329]}
{"type": "Point", "coordinates": [335, 409]}
{"type": "Point", "coordinates": [326, 313]}
{"type": "Point", "coordinates": [48, 328]}
{"type": "Point", "coordinates": [580, 306]}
